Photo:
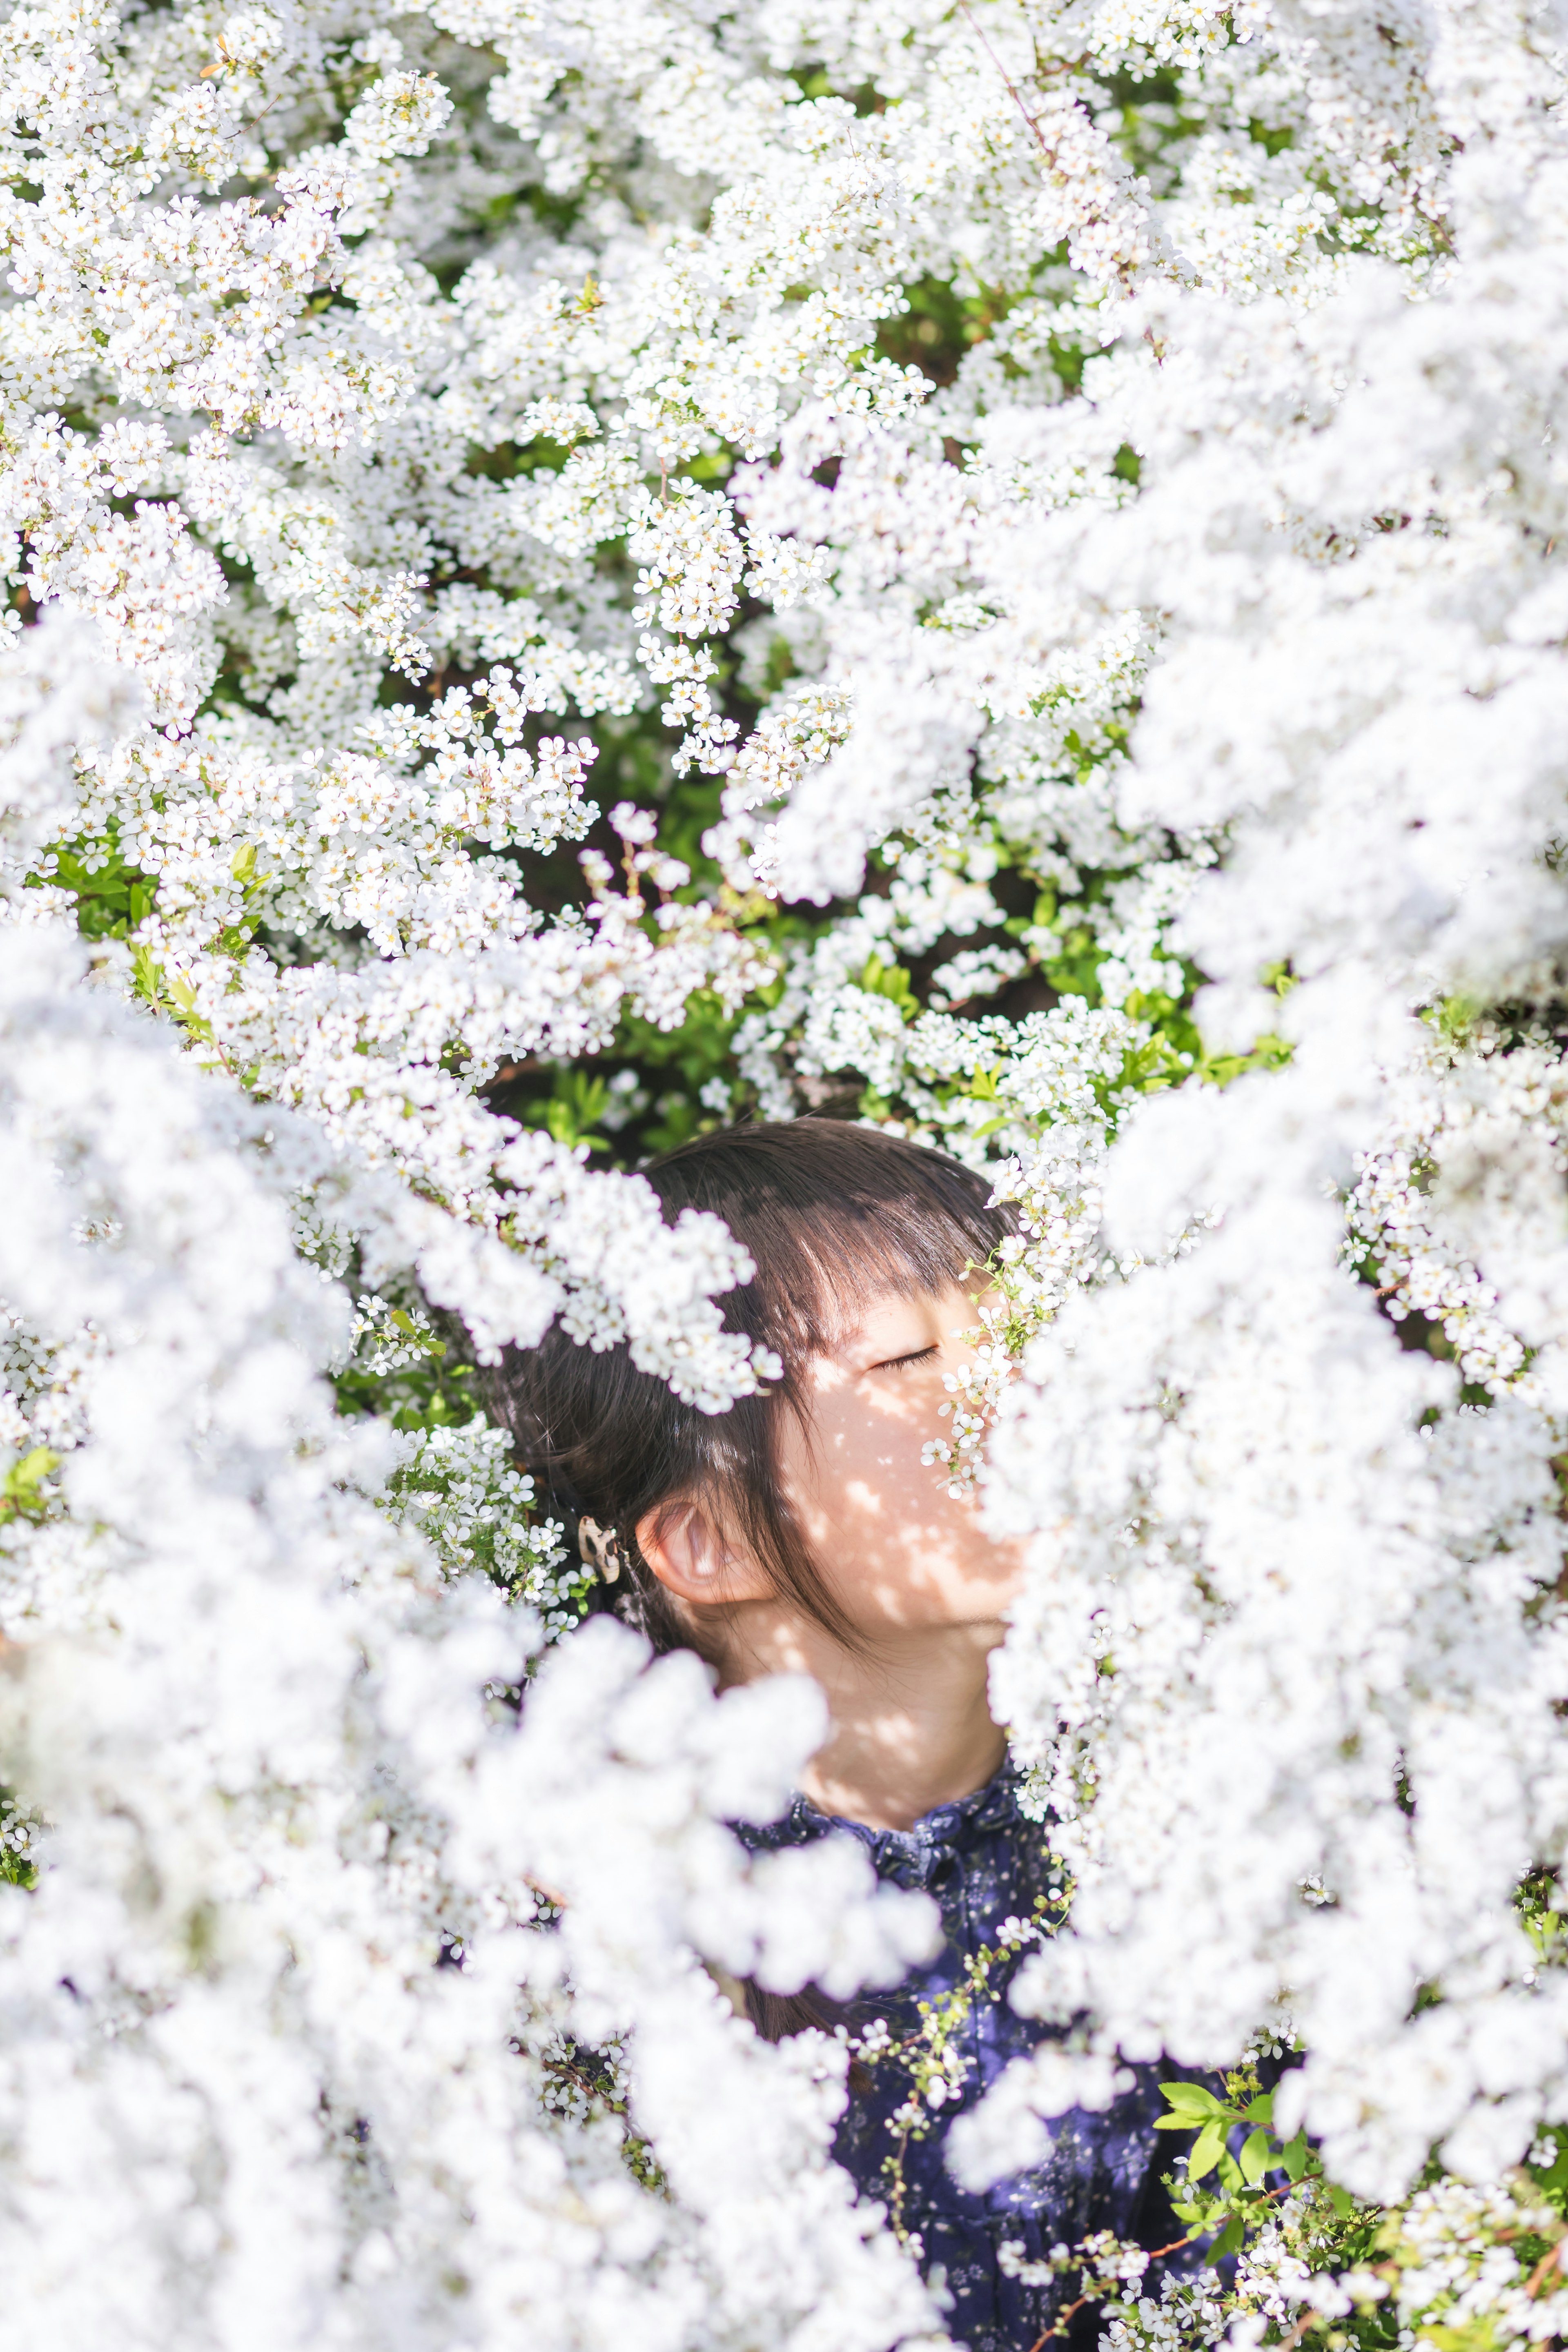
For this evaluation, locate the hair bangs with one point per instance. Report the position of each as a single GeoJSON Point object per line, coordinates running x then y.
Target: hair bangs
{"type": "Point", "coordinates": [833, 1216]}
{"type": "Point", "coordinates": [817, 1288]}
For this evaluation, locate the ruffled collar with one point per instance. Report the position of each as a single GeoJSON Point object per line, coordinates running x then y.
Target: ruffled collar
{"type": "Point", "coordinates": [922, 1855]}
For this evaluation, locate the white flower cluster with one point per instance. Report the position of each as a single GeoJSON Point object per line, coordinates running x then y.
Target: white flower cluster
{"type": "Point", "coordinates": [1456, 2256]}
{"type": "Point", "coordinates": [319, 1931]}
{"type": "Point", "coordinates": [1043, 524]}
{"type": "Point", "coordinates": [461, 1489]}
{"type": "Point", "coordinates": [1296, 1623]}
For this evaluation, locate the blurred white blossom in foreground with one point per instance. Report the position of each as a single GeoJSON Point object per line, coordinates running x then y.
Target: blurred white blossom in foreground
{"type": "Point", "coordinates": [287, 2053]}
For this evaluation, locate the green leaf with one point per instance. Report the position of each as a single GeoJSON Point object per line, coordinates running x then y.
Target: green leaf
{"type": "Point", "coordinates": [889, 980]}
{"type": "Point", "coordinates": [577, 1104]}
{"type": "Point", "coordinates": [1255, 2157]}
{"type": "Point", "coordinates": [410, 1330]}
{"type": "Point", "coordinates": [21, 1490]}
{"type": "Point", "coordinates": [1343, 2201]}
{"type": "Point", "coordinates": [1293, 2155]}
{"type": "Point", "coordinates": [1207, 2150]}
{"type": "Point", "coordinates": [1553, 2176]}
{"type": "Point", "coordinates": [1190, 2098]}
{"type": "Point", "coordinates": [1230, 2241]}
{"type": "Point", "coordinates": [111, 896]}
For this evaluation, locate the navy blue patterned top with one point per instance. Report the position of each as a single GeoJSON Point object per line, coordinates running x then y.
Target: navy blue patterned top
{"type": "Point", "coordinates": [985, 1865]}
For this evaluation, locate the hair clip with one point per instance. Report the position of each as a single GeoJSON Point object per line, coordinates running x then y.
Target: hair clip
{"type": "Point", "coordinates": [600, 1547]}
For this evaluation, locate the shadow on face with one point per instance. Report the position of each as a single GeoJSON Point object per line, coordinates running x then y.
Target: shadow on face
{"type": "Point", "coordinates": [899, 1551]}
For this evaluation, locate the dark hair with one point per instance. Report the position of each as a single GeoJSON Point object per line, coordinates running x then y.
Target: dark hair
{"type": "Point", "coordinates": [831, 1216]}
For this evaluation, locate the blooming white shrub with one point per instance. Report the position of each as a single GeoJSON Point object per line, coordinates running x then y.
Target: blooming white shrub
{"type": "Point", "coordinates": [573, 572]}
{"type": "Point", "coordinates": [287, 2050]}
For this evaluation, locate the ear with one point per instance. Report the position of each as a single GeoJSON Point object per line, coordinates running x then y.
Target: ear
{"type": "Point", "coordinates": [688, 1550]}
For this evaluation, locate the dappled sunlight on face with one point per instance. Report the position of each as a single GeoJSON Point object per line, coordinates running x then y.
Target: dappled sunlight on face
{"type": "Point", "coordinates": [898, 1550]}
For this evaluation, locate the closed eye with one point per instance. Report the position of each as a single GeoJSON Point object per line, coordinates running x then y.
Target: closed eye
{"type": "Point", "coordinates": [902, 1363]}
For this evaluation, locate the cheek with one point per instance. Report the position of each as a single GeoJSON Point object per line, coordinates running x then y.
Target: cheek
{"type": "Point", "coordinates": [879, 1519]}
{"type": "Point", "coordinates": [864, 1457]}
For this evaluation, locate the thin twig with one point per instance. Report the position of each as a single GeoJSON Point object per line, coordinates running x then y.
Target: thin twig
{"type": "Point", "coordinates": [1062, 2317]}
{"type": "Point", "coordinates": [1017, 97]}
{"type": "Point", "coordinates": [1537, 2279]}
{"type": "Point", "coordinates": [1282, 2190]}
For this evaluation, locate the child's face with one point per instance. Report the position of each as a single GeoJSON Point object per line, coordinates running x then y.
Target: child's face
{"type": "Point", "coordinates": [897, 1550]}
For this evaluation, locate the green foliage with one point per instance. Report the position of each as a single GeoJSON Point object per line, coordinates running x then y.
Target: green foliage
{"type": "Point", "coordinates": [170, 993]}
{"type": "Point", "coordinates": [462, 1490]}
{"type": "Point", "coordinates": [1242, 2193]}
{"type": "Point", "coordinates": [23, 1489]}
{"type": "Point", "coordinates": [644, 1095]}
{"type": "Point", "coordinates": [112, 896]}
{"type": "Point", "coordinates": [891, 981]}
{"type": "Point", "coordinates": [1410, 2272]}
{"type": "Point", "coordinates": [19, 1836]}
{"type": "Point", "coordinates": [575, 1104]}
{"type": "Point", "coordinates": [1537, 1907]}
{"type": "Point", "coordinates": [939, 324]}
{"type": "Point", "coordinates": [435, 1389]}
